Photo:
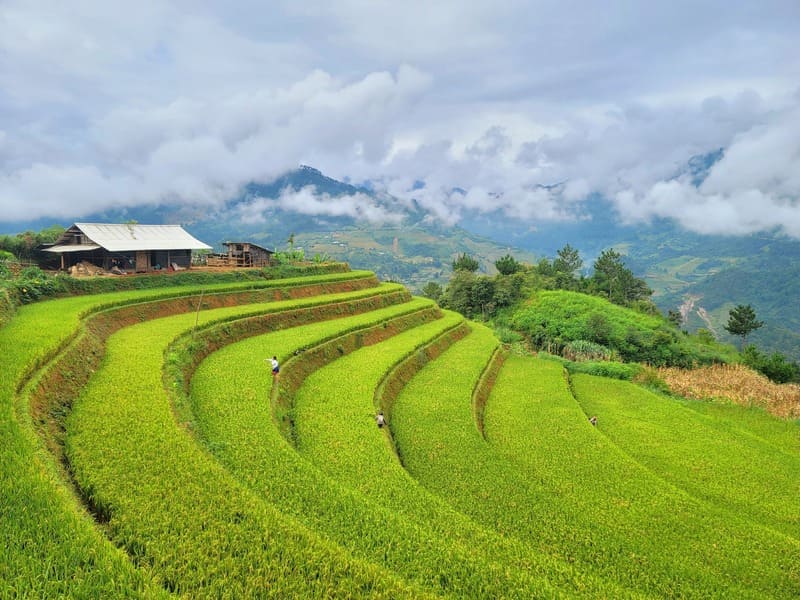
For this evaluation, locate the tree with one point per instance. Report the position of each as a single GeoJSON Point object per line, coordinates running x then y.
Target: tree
{"type": "Point", "coordinates": [458, 294]}
{"type": "Point", "coordinates": [568, 260]}
{"type": "Point", "coordinates": [482, 296]}
{"type": "Point", "coordinates": [565, 266]}
{"type": "Point", "coordinates": [507, 265]}
{"type": "Point", "coordinates": [612, 279]}
{"type": "Point", "coordinates": [433, 291]}
{"type": "Point", "coordinates": [742, 322]}
{"type": "Point", "coordinates": [675, 317]}
{"type": "Point", "coordinates": [465, 263]}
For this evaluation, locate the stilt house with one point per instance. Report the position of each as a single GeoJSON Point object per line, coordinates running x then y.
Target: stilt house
{"type": "Point", "coordinates": [242, 254]}
{"type": "Point", "coordinates": [129, 247]}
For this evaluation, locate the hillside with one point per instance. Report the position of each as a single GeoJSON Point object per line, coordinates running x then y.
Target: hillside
{"type": "Point", "coordinates": [571, 323]}
{"type": "Point", "coordinates": [483, 483]}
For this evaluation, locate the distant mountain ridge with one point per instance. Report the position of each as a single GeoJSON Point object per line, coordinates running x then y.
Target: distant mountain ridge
{"type": "Point", "coordinates": [717, 272]}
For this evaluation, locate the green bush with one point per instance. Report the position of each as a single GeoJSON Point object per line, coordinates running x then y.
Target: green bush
{"type": "Point", "coordinates": [508, 336]}
{"type": "Point", "coordinates": [775, 366]}
{"type": "Point", "coordinates": [34, 284]}
{"type": "Point", "coordinates": [614, 370]}
{"type": "Point", "coordinates": [6, 307]}
{"type": "Point", "coordinates": [580, 350]}
{"type": "Point", "coordinates": [649, 378]}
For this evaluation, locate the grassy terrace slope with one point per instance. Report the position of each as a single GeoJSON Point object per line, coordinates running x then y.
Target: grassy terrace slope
{"type": "Point", "coordinates": [237, 428]}
{"type": "Point", "coordinates": [533, 420]}
{"type": "Point", "coordinates": [733, 458]}
{"type": "Point", "coordinates": [50, 546]}
{"type": "Point", "coordinates": [546, 481]}
{"type": "Point", "coordinates": [336, 431]}
{"type": "Point", "coordinates": [132, 461]}
{"type": "Point", "coordinates": [488, 482]}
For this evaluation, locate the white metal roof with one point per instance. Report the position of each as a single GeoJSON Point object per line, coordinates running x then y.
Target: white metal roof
{"type": "Point", "coordinates": [72, 248]}
{"type": "Point", "coordinates": [128, 237]}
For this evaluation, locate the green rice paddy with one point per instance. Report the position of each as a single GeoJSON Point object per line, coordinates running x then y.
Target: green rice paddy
{"type": "Point", "coordinates": [182, 468]}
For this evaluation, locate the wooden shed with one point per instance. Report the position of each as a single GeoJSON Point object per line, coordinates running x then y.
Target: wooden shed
{"type": "Point", "coordinates": [241, 254]}
{"type": "Point", "coordinates": [129, 247]}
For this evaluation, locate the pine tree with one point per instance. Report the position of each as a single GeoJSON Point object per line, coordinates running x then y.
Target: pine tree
{"type": "Point", "coordinates": [742, 322]}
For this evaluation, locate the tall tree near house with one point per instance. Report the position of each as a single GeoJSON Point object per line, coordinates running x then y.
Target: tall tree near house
{"type": "Point", "coordinates": [742, 322]}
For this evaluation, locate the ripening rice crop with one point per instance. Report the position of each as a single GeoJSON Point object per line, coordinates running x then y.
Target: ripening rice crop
{"type": "Point", "coordinates": [533, 420]}
{"type": "Point", "coordinates": [713, 453]}
{"type": "Point", "coordinates": [236, 426]}
{"type": "Point", "coordinates": [537, 481]}
{"type": "Point", "coordinates": [173, 508]}
{"type": "Point", "coordinates": [50, 546]}
{"type": "Point", "coordinates": [336, 430]}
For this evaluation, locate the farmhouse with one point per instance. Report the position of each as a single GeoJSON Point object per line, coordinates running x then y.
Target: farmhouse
{"type": "Point", "coordinates": [128, 246]}
{"type": "Point", "coordinates": [242, 254]}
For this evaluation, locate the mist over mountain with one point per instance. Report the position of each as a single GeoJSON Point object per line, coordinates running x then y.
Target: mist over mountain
{"type": "Point", "coordinates": [704, 275]}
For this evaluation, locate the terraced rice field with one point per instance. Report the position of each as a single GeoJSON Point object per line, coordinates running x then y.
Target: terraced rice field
{"type": "Point", "coordinates": [148, 452]}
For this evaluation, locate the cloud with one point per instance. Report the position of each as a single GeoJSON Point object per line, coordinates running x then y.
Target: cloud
{"type": "Point", "coordinates": [307, 201]}
{"type": "Point", "coordinates": [528, 109]}
{"type": "Point", "coordinates": [201, 151]}
{"type": "Point", "coordinates": [754, 187]}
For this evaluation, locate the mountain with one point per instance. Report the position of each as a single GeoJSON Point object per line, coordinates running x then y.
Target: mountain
{"type": "Point", "coordinates": [704, 276]}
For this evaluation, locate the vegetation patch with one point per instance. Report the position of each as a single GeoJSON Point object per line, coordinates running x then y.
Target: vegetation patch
{"type": "Point", "coordinates": [189, 351]}
{"type": "Point", "coordinates": [237, 427]}
{"type": "Point", "coordinates": [59, 384]}
{"type": "Point", "coordinates": [735, 383]}
{"type": "Point", "coordinates": [555, 320]}
{"type": "Point", "coordinates": [400, 374]}
{"type": "Point", "coordinates": [335, 423]}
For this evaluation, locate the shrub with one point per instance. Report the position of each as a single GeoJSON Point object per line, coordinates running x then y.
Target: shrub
{"type": "Point", "coordinates": [651, 378]}
{"type": "Point", "coordinates": [33, 284]}
{"type": "Point", "coordinates": [508, 336]}
{"type": "Point", "coordinates": [775, 366]}
{"type": "Point", "coordinates": [580, 350]}
{"type": "Point", "coordinates": [614, 370]}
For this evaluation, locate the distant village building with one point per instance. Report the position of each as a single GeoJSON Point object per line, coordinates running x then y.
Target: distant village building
{"type": "Point", "coordinates": [241, 254]}
{"type": "Point", "coordinates": [128, 247]}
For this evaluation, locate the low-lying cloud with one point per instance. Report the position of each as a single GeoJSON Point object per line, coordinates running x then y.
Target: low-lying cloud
{"type": "Point", "coordinates": [529, 110]}
{"type": "Point", "coordinates": [307, 201]}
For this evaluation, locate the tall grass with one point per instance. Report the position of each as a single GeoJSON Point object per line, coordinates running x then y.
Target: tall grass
{"type": "Point", "coordinates": [237, 429]}
{"type": "Point", "coordinates": [50, 546]}
{"type": "Point", "coordinates": [534, 421]}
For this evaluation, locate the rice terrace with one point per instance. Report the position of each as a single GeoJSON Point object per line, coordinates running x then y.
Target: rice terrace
{"type": "Point", "coordinates": [147, 452]}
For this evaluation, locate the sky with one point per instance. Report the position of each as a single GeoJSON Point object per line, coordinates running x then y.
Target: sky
{"type": "Point", "coordinates": [530, 108]}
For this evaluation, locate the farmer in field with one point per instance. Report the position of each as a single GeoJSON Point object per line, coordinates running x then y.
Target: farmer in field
{"type": "Point", "coordinates": [275, 367]}
{"type": "Point", "coordinates": [593, 420]}
{"type": "Point", "coordinates": [379, 419]}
